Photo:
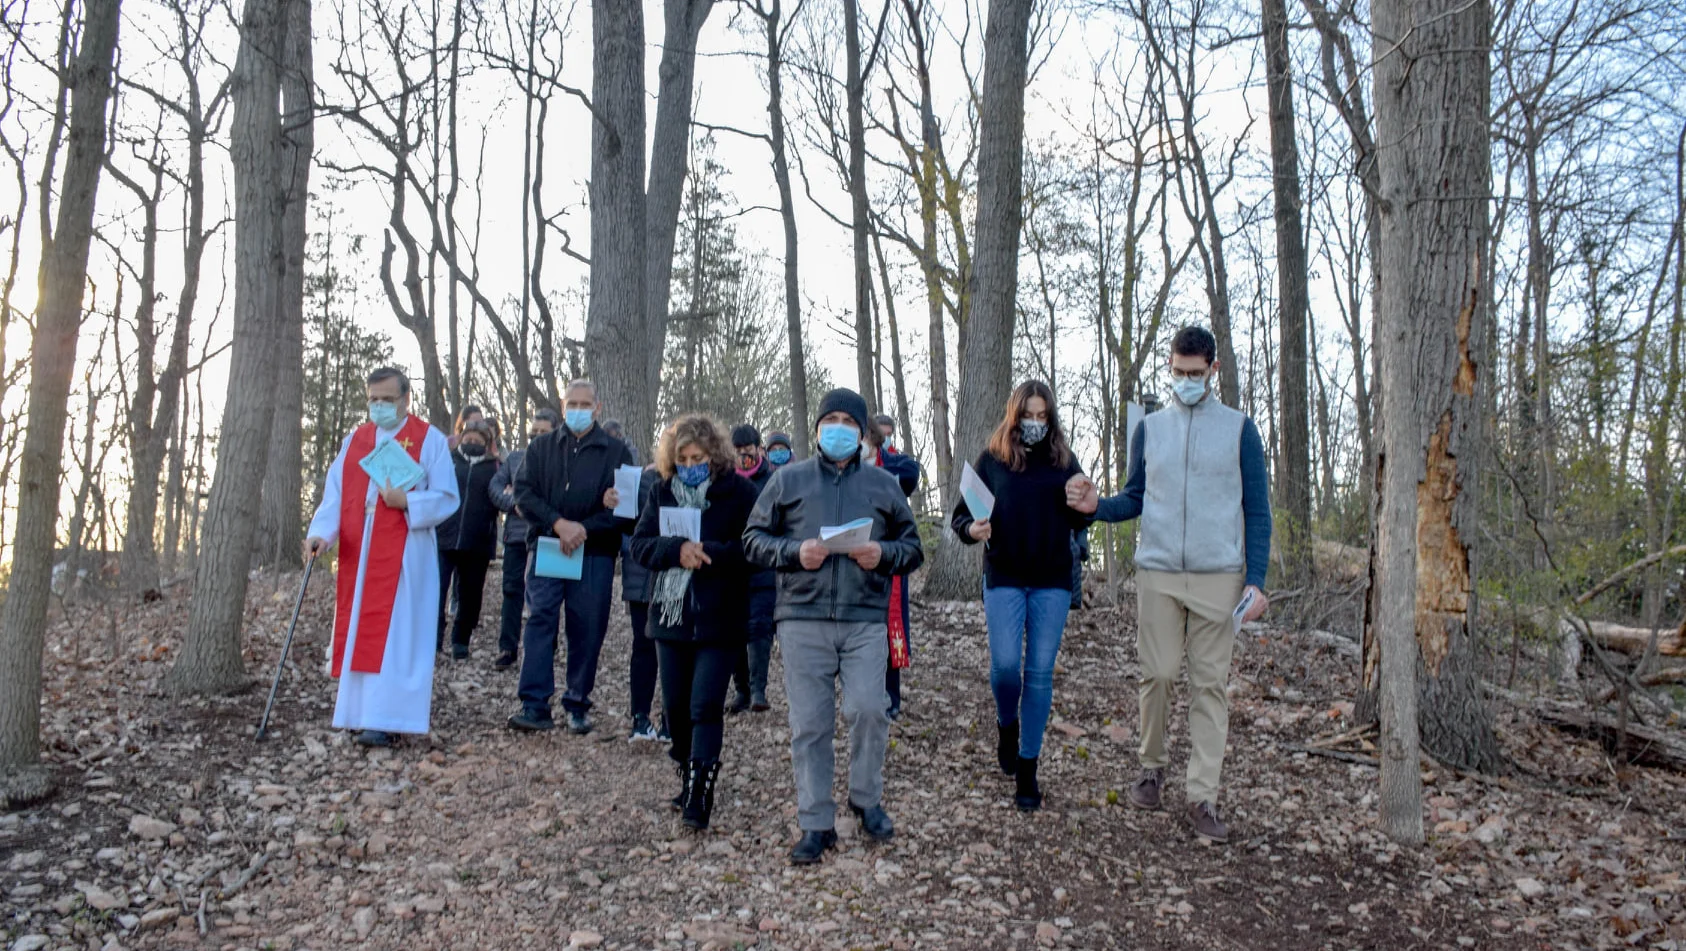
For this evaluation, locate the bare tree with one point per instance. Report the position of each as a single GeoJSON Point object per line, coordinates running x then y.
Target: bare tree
{"type": "Point", "coordinates": [85, 80]}
{"type": "Point", "coordinates": [210, 659]}
{"type": "Point", "coordinates": [1432, 123]}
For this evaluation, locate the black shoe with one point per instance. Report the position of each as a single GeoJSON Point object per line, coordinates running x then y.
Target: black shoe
{"type": "Point", "coordinates": [505, 660]}
{"type": "Point", "coordinates": [459, 651]}
{"type": "Point", "coordinates": [740, 702]}
{"type": "Point", "coordinates": [643, 731]}
{"type": "Point", "coordinates": [1007, 747]}
{"type": "Point", "coordinates": [1028, 797]}
{"type": "Point", "coordinates": [579, 724]}
{"type": "Point", "coordinates": [374, 738]}
{"type": "Point", "coordinates": [875, 822]}
{"type": "Point", "coordinates": [699, 802]}
{"type": "Point", "coordinates": [758, 700]}
{"type": "Point", "coordinates": [678, 802]}
{"type": "Point", "coordinates": [532, 721]}
{"type": "Point", "coordinates": [894, 713]}
{"type": "Point", "coordinates": [812, 847]}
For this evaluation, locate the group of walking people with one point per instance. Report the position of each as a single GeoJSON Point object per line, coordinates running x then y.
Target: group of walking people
{"type": "Point", "coordinates": [737, 544]}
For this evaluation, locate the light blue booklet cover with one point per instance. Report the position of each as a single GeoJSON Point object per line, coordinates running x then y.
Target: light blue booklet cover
{"type": "Point", "coordinates": [390, 465]}
{"type": "Point", "coordinates": [550, 562]}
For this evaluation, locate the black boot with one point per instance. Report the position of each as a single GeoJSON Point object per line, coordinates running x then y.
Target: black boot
{"type": "Point", "coordinates": [699, 805]}
{"type": "Point", "coordinates": [1007, 747]}
{"type": "Point", "coordinates": [760, 656]}
{"type": "Point", "coordinates": [678, 802]}
{"type": "Point", "coordinates": [1028, 797]}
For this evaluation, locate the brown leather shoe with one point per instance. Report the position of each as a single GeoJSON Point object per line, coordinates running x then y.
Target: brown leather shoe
{"type": "Point", "coordinates": [1144, 792]}
{"type": "Point", "coordinates": [1207, 825]}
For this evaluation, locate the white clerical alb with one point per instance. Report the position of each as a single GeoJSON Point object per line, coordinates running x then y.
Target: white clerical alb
{"type": "Point", "coordinates": [399, 697]}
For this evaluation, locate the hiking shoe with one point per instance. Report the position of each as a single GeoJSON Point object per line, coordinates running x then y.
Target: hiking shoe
{"type": "Point", "coordinates": [643, 731]}
{"type": "Point", "coordinates": [812, 846]}
{"type": "Point", "coordinates": [374, 738]}
{"type": "Point", "coordinates": [1007, 747]}
{"type": "Point", "coordinates": [1144, 792]}
{"type": "Point", "coordinates": [505, 661]}
{"type": "Point", "coordinates": [1028, 796]}
{"type": "Point", "coordinates": [875, 822]}
{"type": "Point", "coordinates": [532, 721]}
{"type": "Point", "coordinates": [579, 724]}
{"type": "Point", "coordinates": [1207, 825]}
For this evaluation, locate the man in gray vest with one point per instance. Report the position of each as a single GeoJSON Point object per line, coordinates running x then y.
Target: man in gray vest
{"type": "Point", "coordinates": [1199, 484]}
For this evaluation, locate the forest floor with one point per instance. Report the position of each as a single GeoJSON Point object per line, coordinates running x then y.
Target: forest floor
{"type": "Point", "coordinates": [173, 828]}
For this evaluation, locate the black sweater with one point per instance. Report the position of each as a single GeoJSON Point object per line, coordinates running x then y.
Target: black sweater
{"type": "Point", "coordinates": [565, 476]}
{"type": "Point", "coordinates": [473, 527]}
{"type": "Point", "coordinates": [1030, 539]}
{"type": "Point", "coordinates": [717, 602]}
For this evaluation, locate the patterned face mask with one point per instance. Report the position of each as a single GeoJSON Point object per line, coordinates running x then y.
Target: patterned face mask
{"type": "Point", "coordinates": [692, 476]}
{"type": "Point", "coordinates": [1032, 431]}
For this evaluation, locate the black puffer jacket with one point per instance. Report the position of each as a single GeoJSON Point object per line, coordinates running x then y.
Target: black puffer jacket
{"type": "Point", "coordinates": [717, 601]}
{"type": "Point", "coordinates": [800, 499]}
{"type": "Point", "coordinates": [473, 527]}
{"type": "Point", "coordinates": [763, 579]}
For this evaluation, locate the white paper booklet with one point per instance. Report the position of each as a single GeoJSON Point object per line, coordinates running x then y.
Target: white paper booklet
{"type": "Point", "coordinates": [681, 522]}
{"type": "Point", "coordinates": [846, 538]}
{"type": "Point", "coordinates": [626, 483]}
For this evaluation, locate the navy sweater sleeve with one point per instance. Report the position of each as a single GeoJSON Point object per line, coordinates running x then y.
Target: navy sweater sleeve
{"type": "Point", "coordinates": [1255, 503]}
{"type": "Point", "coordinates": [1127, 505]}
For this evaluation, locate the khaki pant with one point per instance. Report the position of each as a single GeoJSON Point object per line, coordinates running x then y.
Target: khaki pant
{"type": "Point", "coordinates": [1187, 615]}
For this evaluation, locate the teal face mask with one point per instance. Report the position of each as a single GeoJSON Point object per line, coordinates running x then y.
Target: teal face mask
{"type": "Point", "coordinates": [384, 415]}
{"type": "Point", "coordinates": [578, 420]}
{"type": "Point", "coordinates": [839, 441]}
{"type": "Point", "coordinates": [778, 457]}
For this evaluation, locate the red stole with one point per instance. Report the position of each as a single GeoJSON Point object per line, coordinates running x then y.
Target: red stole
{"type": "Point", "coordinates": [899, 658]}
{"type": "Point", "coordinates": [391, 530]}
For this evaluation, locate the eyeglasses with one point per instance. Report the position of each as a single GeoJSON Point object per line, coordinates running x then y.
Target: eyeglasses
{"type": "Point", "coordinates": [1195, 375]}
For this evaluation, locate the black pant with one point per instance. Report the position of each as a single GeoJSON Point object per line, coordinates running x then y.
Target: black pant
{"type": "Point", "coordinates": [643, 658]}
{"type": "Point", "coordinates": [514, 596]}
{"type": "Point", "coordinates": [694, 680]}
{"type": "Point", "coordinates": [582, 609]}
{"type": "Point", "coordinates": [757, 651]}
{"type": "Point", "coordinates": [469, 569]}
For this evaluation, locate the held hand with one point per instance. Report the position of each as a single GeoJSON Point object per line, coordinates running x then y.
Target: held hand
{"type": "Point", "coordinates": [1260, 604]}
{"type": "Point", "coordinates": [314, 546]}
{"type": "Point", "coordinates": [692, 556]}
{"type": "Point", "coordinates": [813, 554]}
{"type": "Point", "coordinates": [1081, 494]}
{"type": "Point", "coordinates": [570, 534]}
{"type": "Point", "coordinates": [980, 530]}
{"type": "Point", "coordinates": [868, 555]}
{"type": "Point", "coordinates": [395, 498]}
{"type": "Point", "coordinates": [611, 498]}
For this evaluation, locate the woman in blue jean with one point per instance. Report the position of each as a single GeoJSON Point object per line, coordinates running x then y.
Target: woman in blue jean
{"type": "Point", "coordinates": [1027, 572]}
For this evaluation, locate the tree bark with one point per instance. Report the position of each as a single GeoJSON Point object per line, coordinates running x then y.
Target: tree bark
{"type": "Point", "coordinates": [865, 364]}
{"type": "Point", "coordinates": [669, 154]}
{"type": "Point", "coordinates": [616, 337]}
{"type": "Point", "coordinates": [1293, 457]}
{"type": "Point", "coordinates": [58, 317]}
{"type": "Point", "coordinates": [800, 425]}
{"type": "Point", "coordinates": [1432, 94]}
{"type": "Point", "coordinates": [210, 660]}
{"type": "Point", "coordinates": [986, 357]}
{"type": "Point", "coordinates": [280, 524]}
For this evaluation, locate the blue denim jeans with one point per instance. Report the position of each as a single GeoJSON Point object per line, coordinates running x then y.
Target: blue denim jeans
{"type": "Point", "coordinates": [581, 609]}
{"type": "Point", "coordinates": [1025, 627]}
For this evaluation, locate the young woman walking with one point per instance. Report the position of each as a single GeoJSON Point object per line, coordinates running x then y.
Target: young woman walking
{"type": "Point", "coordinates": [1027, 572]}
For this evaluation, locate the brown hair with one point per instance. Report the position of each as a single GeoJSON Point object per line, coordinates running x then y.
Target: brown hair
{"type": "Point", "coordinates": [696, 428]}
{"type": "Point", "coordinates": [485, 430]}
{"type": "Point", "coordinates": [1008, 447]}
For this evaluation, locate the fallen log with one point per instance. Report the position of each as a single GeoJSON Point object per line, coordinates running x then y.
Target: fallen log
{"type": "Point", "coordinates": [1645, 745]}
{"type": "Point", "coordinates": [1635, 640]}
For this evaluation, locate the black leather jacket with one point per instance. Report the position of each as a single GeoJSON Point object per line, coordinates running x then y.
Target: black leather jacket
{"type": "Point", "coordinates": [800, 499]}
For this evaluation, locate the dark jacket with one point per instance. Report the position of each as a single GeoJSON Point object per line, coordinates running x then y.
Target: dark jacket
{"type": "Point", "coordinates": [1030, 542]}
{"type": "Point", "coordinates": [473, 527]}
{"type": "Point", "coordinates": [904, 468]}
{"type": "Point", "coordinates": [565, 476]}
{"type": "Point", "coordinates": [636, 580]}
{"type": "Point", "coordinates": [763, 579]}
{"type": "Point", "coordinates": [800, 499]}
{"type": "Point", "coordinates": [514, 526]}
{"type": "Point", "coordinates": [717, 601]}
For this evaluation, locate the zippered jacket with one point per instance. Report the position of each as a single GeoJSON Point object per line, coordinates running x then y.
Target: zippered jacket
{"type": "Point", "coordinates": [474, 525]}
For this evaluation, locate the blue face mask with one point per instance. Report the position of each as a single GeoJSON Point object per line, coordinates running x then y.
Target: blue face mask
{"type": "Point", "coordinates": [1189, 391]}
{"type": "Point", "coordinates": [778, 457]}
{"type": "Point", "coordinates": [384, 415]}
{"type": "Point", "coordinates": [578, 420]}
{"type": "Point", "coordinates": [692, 476]}
{"type": "Point", "coordinates": [839, 441]}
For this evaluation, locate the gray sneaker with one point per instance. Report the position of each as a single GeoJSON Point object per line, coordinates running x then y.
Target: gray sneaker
{"type": "Point", "coordinates": [1207, 825]}
{"type": "Point", "coordinates": [1144, 792]}
{"type": "Point", "coordinates": [643, 731]}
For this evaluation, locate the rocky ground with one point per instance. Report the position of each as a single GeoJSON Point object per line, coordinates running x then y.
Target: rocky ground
{"type": "Point", "coordinates": [173, 828]}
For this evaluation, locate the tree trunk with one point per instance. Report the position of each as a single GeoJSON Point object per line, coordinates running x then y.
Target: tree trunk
{"type": "Point", "coordinates": [898, 373]}
{"type": "Point", "coordinates": [1293, 457]}
{"type": "Point", "coordinates": [280, 525]}
{"type": "Point", "coordinates": [669, 153]}
{"type": "Point", "coordinates": [58, 317]}
{"type": "Point", "coordinates": [616, 338]}
{"type": "Point", "coordinates": [800, 424]}
{"type": "Point", "coordinates": [1431, 81]}
{"type": "Point", "coordinates": [210, 660]}
{"type": "Point", "coordinates": [986, 358]}
{"type": "Point", "coordinates": [865, 364]}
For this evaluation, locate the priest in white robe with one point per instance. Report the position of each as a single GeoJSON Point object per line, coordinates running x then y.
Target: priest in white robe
{"type": "Point", "coordinates": [387, 606]}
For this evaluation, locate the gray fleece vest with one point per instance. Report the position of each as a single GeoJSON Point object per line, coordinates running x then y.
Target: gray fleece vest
{"type": "Point", "coordinates": [1191, 513]}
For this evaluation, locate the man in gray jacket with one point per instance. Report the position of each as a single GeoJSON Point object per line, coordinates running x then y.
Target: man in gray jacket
{"type": "Point", "coordinates": [1199, 483]}
{"type": "Point", "coordinates": [833, 613]}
